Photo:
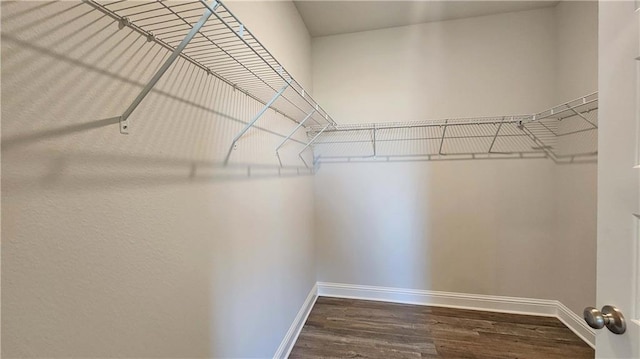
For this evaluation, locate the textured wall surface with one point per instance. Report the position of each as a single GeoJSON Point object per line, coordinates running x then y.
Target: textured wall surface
{"type": "Point", "coordinates": [141, 245]}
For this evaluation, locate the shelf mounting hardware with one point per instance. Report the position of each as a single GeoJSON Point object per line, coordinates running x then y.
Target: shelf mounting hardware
{"type": "Point", "coordinates": [124, 22]}
{"type": "Point", "coordinates": [124, 119]}
{"type": "Point", "coordinates": [310, 143]}
{"type": "Point", "coordinates": [292, 132]}
{"type": "Point", "coordinates": [253, 121]}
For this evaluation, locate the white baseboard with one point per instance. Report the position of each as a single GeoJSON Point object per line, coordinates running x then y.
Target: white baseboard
{"type": "Point", "coordinates": [290, 338]}
{"type": "Point", "coordinates": [577, 325]}
{"type": "Point", "coordinates": [540, 307]}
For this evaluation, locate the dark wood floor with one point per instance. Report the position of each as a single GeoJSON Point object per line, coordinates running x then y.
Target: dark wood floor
{"type": "Point", "coordinates": [346, 328]}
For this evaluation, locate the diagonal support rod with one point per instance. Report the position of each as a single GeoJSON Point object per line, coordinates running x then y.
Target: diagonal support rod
{"type": "Point", "coordinates": [373, 141]}
{"type": "Point", "coordinates": [496, 136]}
{"type": "Point", "coordinates": [253, 121]}
{"type": "Point", "coordinates": [546, 149]}
{"type": "Point", "coordinates": [291, 134]}
{"type": "Point", "coordinates": [444, 131]}
{"type": "Point", "coordinates": [584, 118]}
{"type": "Point", "coordinates": [311, 142]}
{"type": "Point", "coordinates": [124, 119]}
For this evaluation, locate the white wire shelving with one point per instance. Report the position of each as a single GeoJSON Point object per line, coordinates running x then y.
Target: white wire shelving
{"type": "Point", "coordinates": [566, 133]}
{"type": "Point", "coordinates": [208, 35]}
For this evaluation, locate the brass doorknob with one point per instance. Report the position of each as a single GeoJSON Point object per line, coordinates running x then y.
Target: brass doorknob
{"type": "Point", "coordinates": [610, 316]}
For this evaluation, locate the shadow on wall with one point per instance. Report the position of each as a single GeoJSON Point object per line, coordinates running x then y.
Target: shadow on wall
{"type": "Point", "coordinates": [142, 245]}
{"type": "Point", "coordinates": [454, 226]}
{"type": "Point", "coordinates": [85, 67]}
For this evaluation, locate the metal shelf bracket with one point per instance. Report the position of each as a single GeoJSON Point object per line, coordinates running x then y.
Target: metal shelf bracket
{"type": "Point", "coordinates": [124, 119]}
{"type": "Point", "coordinates": [493, 142]}
{"type": "Point", "coordinates": [254, 120]}
{"type": "Point", "coordinates": [373, 141]}
{"type": "Point", "coordinates": [310, 143]}
{"type": "Point", "coordinates": [292, 132]}
{"type": "Point", "coordinates": [444, 131]}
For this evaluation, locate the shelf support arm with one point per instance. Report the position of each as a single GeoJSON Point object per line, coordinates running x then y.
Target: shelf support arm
{"type": "Point", "coordinates": [291, 134]}
{"type": "Point", "coordinates": [253, 121]}
{"type": "Point", "coordinates": [124, 119]}
{"type": "Point", "coordinates": [537, 141]}
{"type": "Point", "coordinates": [584, 118]}
{"type": "Point", "coordinates": [310, 143]}
{"type": "Point", "coordinates": [373, 136]}
{"type": "Point", "coordinates": [496, 135]}
{"type": "Point", "coordinates": [444, 131]}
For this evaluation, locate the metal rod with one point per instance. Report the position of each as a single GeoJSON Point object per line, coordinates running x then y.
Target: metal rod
{"type": "Point", "coordinates": [253, 121]}
{"type": "Point", "coordinates": [496, 136]}
{"type": "Point", "coordinates": [124, 124]}
{"type": "Point", "coordinates": [429, 138]}
{"type": "Point", "coordinates": [309, 144]}
{"type": "Point", "coordinates": [291, 134]}
{"type": "Point", "coordinates": [567, 107]}
{"type": "Point", "coordinates": [435, 157]}
{"type": "Point", "coordinates": [442, 141]}
{"type": "Point", "coordinates": [584, 118]}
{"type": "Point", "coordinates": [543, 147]}
{"type": "Point", "coordinates": [374, 142]}
{"type": "Point", "coordinates": [425, 157]}
{"type": "Point", "coordinates": [382, 126]}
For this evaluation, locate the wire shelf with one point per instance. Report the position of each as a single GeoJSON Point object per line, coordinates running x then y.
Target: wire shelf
{"type": "Point", "coordinates": [223, 47]}
{"type": "Point", "coordinates": [566, 133]}
{"type": "Point", "coordinates": [207, 34]}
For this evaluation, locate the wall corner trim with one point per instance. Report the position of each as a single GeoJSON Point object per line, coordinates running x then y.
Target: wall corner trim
{"type": "Point", "coordinates": [290, 338]}
{"type": "Point", "coordinates": [515, 305]}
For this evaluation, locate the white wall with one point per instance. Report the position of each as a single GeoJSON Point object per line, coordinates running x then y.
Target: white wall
{"type": "Point", "coordinates": [437, 70]}
{"type": "Point", "coordinates": [140, 245]}
{"type": "Point", "coordinates": [461, 226]}
{"type": "Point", "coordinates": [576, 184]}
{"type": "Point", "coordinates": [577, 49]}
{"type": "Point", "coordinates": [487, 227]}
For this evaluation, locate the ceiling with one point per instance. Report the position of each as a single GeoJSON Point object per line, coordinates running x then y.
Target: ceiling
{"type": "Point", "coordinates": [338, 17]}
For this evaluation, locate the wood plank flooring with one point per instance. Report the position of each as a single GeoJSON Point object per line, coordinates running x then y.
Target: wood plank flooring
{"type": "Point", "coordinates": [347, 328]}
